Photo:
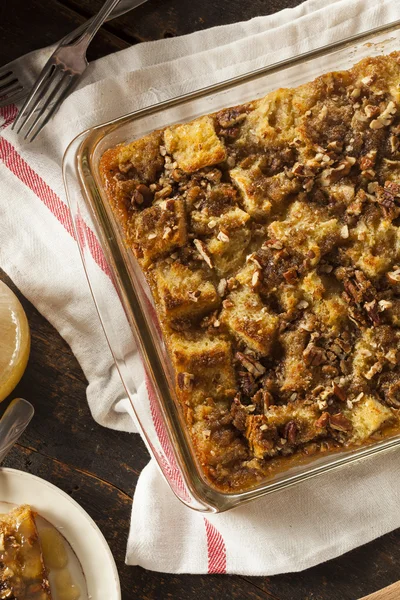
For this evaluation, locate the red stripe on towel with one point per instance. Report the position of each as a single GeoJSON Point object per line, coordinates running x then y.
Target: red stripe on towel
{"type": "Point", "coordinates": [216, 549]}
{"type": "Point", "coordinates": [167, 459]}
{"type": "Point", "coordinates": [20, 168]}
{"type": "Point", "coordinates": [86, 235]}
{"type": "Point", "coordinates": [8, 113]}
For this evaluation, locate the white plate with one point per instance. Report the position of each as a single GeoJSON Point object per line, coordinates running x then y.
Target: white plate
{"type": "Point", "coordinates": [82, 533]}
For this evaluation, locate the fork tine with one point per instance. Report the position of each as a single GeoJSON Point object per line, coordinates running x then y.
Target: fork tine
{"type": "Point", "coordinates": [13, 98]}
{"type": "Point", "coordinates": [53, 109]}
{"type": "Point", "coordinates": [4, 73]}
{"type": "Point", "coordinates": [35, 95]}
{"type": "Point", "coordinates": [7, 80]}
{"type": "Point", "coordinates": [10, 92]}
{"type": "Point", "coordinates": [33, 117]}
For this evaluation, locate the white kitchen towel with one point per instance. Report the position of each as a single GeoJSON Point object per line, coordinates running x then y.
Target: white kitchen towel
{"type": "Point", "coordinates": [288, 531]}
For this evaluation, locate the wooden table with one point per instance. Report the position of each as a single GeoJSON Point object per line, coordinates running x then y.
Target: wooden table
{"type": "Point", "coordinates": [99, 467]}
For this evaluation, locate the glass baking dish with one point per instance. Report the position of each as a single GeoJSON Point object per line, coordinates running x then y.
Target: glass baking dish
{"type": "Point", "coordinates": [128, 316]}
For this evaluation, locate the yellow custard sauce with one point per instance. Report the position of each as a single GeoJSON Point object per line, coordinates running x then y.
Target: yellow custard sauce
{"type": "Point", "coordinates": [14, 341]}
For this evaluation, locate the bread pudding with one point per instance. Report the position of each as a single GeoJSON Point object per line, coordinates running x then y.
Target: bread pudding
{"type": "Point", "coordinates": [23, 574]}
{"type": "Point", "coordinates": [269, 234]}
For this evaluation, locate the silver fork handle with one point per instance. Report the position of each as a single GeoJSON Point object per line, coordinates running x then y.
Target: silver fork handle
{"type": "Point", "coordinates": [97, 21]}
{"type": "Point", "coordinates": [123, 7]}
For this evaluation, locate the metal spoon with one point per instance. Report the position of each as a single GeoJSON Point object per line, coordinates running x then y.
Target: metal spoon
{"type": "Point", "coordinates": [13, 423]}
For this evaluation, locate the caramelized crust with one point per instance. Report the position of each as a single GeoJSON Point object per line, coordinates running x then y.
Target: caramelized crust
{"type": "Point", "coordinates": [269, 234]}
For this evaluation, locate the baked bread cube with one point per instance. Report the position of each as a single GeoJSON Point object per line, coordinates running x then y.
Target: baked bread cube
{"type": "Point", "coordinates": [249, 320]}
{"type": "Point", "coordinates": [195, 145]}
{"type": "Point", "coordinates": [273, 119]}
{"type": "Point", "coordinates": [251, 184]}
{"type": "Point", "coordinates": [295, 374]}
{"type": "Point", "coordinates": [260, 193]}
{"type": "Point", "coordinates": [183, 294]}
{"type": "Point", "coordinates": [367, 417]}
{"type": "Point", "coordinates": [203, 367]}
{"type": "Point", "coordinates": [280, 427]}
{"type": "Point", "coordinates": [308, 229]}
{"type": "Point", "coordinates": [375, 246]}
{"type": "Point", "coordinates": [159, 229]}
{"type": "Point", "coordinates": [326, 303]}
{"type": "Point", "coordinates": [228, 250]}
{"type": "Point", "coordinates": [142, 157]}
{"type": "Point", "coordinates": [203, 223]}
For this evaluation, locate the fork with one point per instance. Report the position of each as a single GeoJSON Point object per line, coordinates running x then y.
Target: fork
{"type": "Point", "coordinates": [58, 77]}
{"type": "Point", "coordinates": [18, 76]}
{"type": "Point", "coordinates": [13, 423]}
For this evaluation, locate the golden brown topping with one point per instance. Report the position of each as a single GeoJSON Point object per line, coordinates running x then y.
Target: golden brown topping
{"type": "Point", "coordinates": [270, 236]}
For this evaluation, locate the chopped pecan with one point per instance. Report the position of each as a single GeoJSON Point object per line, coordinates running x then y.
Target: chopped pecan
{"type": "Point", "coordinates": [330, 370]}
{"type": "Point", "coordinates": [290, 432]}
{"type": "Point", "coordinates": [368, 160]}
{"type": "Point", "coordinates": [239, 414]}
{"type": "Point", "coordinates": [339, 392]}
{"type": "Point", "coordinates": [185, 381]}
{"type": "Point", "coordinates": [393, 188]}
{"type": "Point", "coordinates": [177, 175]}
{"type": "Point", "coordinates": [262, 400]}
{"type": "Point", "coordinates": [228, 303]}
{"type": "Point", "coordinates": [387, 198]}
{"type": "Point", "coordinates": [386, 117]}
{"type": "Point", "coordinates": [361, 295]}
{"type": "Point", "coordinates": [247, 383]}
{"type": "Point", "coordinates": [221, 288]}
{"type": "Point", "coordinates": [256, 280]}
{"type": "Point", "coordinates": [384, 305]}
{"type": "Point", "coordinates": [249, 363]}
{"type": "Point", "coordinates": [223, 236]}
{"type": "Point", "coordinates": [343, 344]}
{"type": "Point", "coordinates": [194, 296]}
{"type": "Point", "coordinates": [376, 368]}
{"type": "Point", "coordinates": [291, 275]}
{"type": "Point", "coordinates": [394, 143]}
{"type": "Point", "coordinates": [394, 276]}
{"type": "Point", "coordinates": [230, 132]}
{"type": "Point", "coordinates": [340, 422]}
{"type": "Point", "coordinates": [163, 193]}
{"type": "Point", "coordinates": [314, 355]}
{"type": "Point", "coordinates": [202, 250]}
{"type": "Point", "coordinates": [371, 110]}
{"type": "Point", "coordinates": [323, 420]}
{"type": "Point", "coordinates": [372, 309]}
{"type": "Point", "coordinates": [333, 174]}
{"type": "Point", "coordinates": [391, 389]}
{"type": "Point", "coordinates": [368, 80]}
{"type": "Point", "coordinates": [231, 116]}
{"type": "Point", "coordinates": [358, 286]}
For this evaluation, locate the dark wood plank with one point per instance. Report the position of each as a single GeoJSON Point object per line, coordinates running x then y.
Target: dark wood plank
{"type": "Point", "coordinates": [155, 20]}
{"type": "Point", "coordinates": [56, 386]}
{"type": "Point", "coordinates": [26, 26]}
{"type": "Point", "coordinates": [351, 576]}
